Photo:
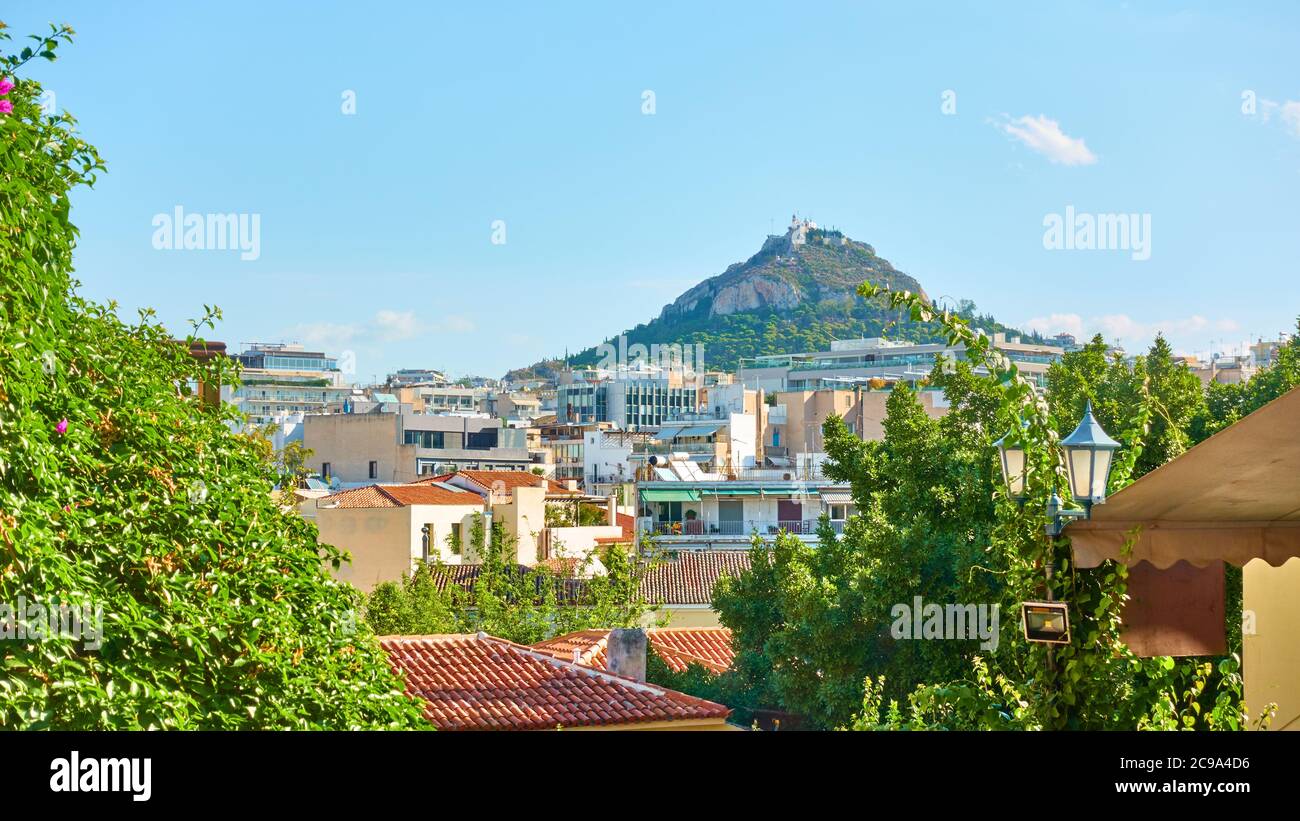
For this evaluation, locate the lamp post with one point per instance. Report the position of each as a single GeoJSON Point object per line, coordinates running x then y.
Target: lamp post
{"type": "Point", "coordinates": [1088, 453]}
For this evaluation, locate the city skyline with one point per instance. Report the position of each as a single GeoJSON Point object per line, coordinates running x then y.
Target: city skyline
{"type": "Point", "coordinates": [492, 200]}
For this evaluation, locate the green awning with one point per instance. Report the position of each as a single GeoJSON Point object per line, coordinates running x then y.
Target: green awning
{"type": "Point", "coordinates": [657, 495]}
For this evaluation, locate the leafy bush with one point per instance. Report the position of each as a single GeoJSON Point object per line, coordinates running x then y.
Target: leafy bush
{"type": "Point", "coordinates": [521, 604]}
{"type": "Point", "coordinates": [121, 491]}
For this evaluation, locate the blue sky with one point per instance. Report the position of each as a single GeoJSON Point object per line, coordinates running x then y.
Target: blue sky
{"type": "Point", "coordinates": [376, 227]}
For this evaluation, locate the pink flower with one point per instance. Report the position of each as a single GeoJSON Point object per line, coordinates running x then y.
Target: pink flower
{"type": "Point", "coordinates": [62, 427]}
{"type": "Point", "coordinates": [5, 87]}
{"type": "Point", "coordinates": [6, 107]}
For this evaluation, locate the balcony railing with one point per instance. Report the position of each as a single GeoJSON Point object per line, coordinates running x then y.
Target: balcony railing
{"type": "Point", "coordinates": [665, 448]}
{"type": "Point", "coordinates": [746, 527]}
{"type": "Point", "coordinates": [606, 479]}
{"type": "Point", "coordinates": [795, 473]}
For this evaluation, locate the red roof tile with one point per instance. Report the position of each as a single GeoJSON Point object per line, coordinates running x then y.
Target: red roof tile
{"type": "Point", "coordinates": [688, 576]}
{"type": "Point", "coordinates": [477, 682]}
{"type": "Point", "coordinates": [679, 647]}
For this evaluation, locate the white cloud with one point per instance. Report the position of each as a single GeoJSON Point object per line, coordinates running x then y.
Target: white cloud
{"type": "Point", "coordinates": [324, 335]}
{"type": "Point", "coordinates": [1192, 332]}
{"type": "Point", "coordinates": [1288, 114]}
{"type": "Point", "coordinates": [458, 324]}
{"type": "Point", "coordinates": [395, 326]}
{"type": "Point", "coordinates": [1291, 117]}
{"type": "Point", "coordinates": [1044, 135]}
{"type": "Point", "coordinates": [385, 326]}
{"type": "Point", "coordinates": [1057, 323]}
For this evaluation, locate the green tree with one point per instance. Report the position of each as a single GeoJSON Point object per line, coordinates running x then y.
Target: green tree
{"type": "Point", "coordinates": [1226, 403]}
{"type": "Point", "coordinates": [811, 622]}
{"type": "Point", "coordinates": [522, 604]}
{"type": "Point", "coordinates": [121, 491]}
{"type": "Point", "coordinates": [1094, 682]}
{"type": "Point", "coordinates": [1170, 393]}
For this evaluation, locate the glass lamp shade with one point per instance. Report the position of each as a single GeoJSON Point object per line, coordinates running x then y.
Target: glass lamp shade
{"type": "Point", "coordinates": [1012, 459]}
{"type": "Point", "coordinates": [1089, 452]}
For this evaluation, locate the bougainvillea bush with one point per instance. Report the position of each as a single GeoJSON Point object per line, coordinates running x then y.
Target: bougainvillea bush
{"type": "Point", "coordinates": [123, 497]}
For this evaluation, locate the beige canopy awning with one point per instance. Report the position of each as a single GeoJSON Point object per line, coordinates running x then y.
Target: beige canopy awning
{"type": "Point", "coordinates": [1234, 497]}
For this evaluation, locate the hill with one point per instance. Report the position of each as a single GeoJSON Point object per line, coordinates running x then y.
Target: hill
{"type": "Point", "coordinates": [797, 293]}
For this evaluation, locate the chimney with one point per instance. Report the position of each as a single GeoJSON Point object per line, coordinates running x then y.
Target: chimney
{"type": "Point", "coordinates": [571, 484]}
{"type": "Point", "coordinates": [625, 652]}
{"type": "Point", "coordinates": [611, 510]}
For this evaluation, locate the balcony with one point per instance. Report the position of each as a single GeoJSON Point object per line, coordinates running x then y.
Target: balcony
{"type": "Point", "coordinates": [744, 528]}
{"type": "Point", "coordinates": [668, 448]}
{"type": "Point", "coordinates": [794, 473]}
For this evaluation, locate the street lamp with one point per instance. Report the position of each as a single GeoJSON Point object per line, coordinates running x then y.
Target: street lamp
{"type": "Point", "coordinates": [1015, 470]}
{"type": "Point", "coordinates": [1089, 451]}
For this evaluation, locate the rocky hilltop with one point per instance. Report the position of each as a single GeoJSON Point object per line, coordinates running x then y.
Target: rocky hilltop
{"type": "Point", "coordinates": [807, 264]}
{"type": "Point", "coordinates": [796, 294]}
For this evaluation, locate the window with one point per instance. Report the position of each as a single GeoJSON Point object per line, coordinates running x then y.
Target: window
{"type": "Point", "coordinates": [426, 536]}
{"type": "Point", "coordinates": [325, 470]}
{"type": "Point", "coordinates": [374, 470]}
{"type": "Point", "coordinates": [424, 438]}
{"type": "Point", "coordinates": [776, 438]}
{"type": "Point", "coordinates": [484, 439]}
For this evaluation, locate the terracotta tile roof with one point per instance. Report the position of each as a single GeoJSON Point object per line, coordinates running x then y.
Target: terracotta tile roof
{"type": "Point", "coordinates": [398, 496]}
{"type": "Point", "coordinates": [562, 565]}
{"type": "Point", "coordinates": [477, 682]}
{"type": "Point", "coordinates": [707, 646]}
{"type": "Point", "coordinates": [688, 576]}
{"type": "Point", "coordinates": [629, 531]}
{"type": "Point", "coordinates": [567, 589]}
{"type": "Point", "coordinates": [586, 647]}
{"type": "Point", "coordinates": [710, 647]}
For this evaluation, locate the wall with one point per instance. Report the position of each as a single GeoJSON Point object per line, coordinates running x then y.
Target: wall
{"type": "Point", "coordinates": [605, 461]}
{"type": "Point", "coordinates": [378, 538]}
{"type": "Point", "coordinates": [741, 430]}
{"type": "Point", "coordinates": [577, 542]}
{"type": "Point", "coordinates": [863, 411]}
{"type": "Point", "coordinates": [349, 442]}
{"type": "Point", "coordinates": [386, 542]}
{"type": "Point", "coordinates": [524, 517]}
{"type": "Point", "coordinates": [684, 615]}
{"type": "Point", "coordinates": [1271, 656]}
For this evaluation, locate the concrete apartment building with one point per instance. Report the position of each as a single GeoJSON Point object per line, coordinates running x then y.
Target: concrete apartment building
{"type": "Point", "coordinates": [793, 424]}
{"type": "Point", "coordinates": [682, 507]}
{"type": "Point", "coordinates": [520, 406]}
{"type": "Point", "coordinates": [360, 448]}
{"type": "Point", "coordinates": [629, 398]}
{"type": "Point", "coordinates": [411, 377]}
{"type": "Point", "coordinates": [387, 528]}
{"type": "Point", "coordinates": [441, 398]}
{"type": "Point", "coordinates": [857, 361]}
{"type": "Point", "coordinates": [282, 379]}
